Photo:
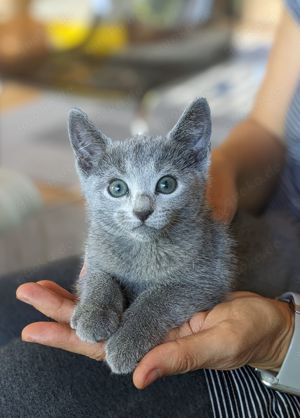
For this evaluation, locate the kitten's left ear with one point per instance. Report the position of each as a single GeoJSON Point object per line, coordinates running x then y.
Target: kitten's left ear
{"type": "Point", "coordinates": [194, 127]}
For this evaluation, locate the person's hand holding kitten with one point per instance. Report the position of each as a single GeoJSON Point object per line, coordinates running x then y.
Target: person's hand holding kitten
{"type": "Point", "coordinates": [230, 335]}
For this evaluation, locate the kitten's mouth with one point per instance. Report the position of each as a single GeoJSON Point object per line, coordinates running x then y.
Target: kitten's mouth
{"type": "Point", "coordinates": [141, 227]}
{"type": "Point", "coordinates": [144, 228]}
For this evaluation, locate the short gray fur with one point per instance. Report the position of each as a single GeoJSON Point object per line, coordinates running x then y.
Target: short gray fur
{"type": "Point", "coordinates": [145, 278]}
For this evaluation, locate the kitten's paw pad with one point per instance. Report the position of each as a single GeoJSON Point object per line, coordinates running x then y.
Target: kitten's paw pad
{"type": "Point", "coordinates": [121, 354]}
{"type": "Point", "coordinates": [92, 325]}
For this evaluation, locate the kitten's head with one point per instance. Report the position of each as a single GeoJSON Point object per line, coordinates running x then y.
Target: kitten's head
{"type": "Point", "coordinates": [143, 186]}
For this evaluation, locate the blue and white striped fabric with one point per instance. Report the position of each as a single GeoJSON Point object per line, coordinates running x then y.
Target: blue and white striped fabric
{"type": "Point", "coordinates": [239, 393]}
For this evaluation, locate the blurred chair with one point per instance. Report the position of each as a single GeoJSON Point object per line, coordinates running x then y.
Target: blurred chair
{"type": "Point", "coordinates": [19, 199]}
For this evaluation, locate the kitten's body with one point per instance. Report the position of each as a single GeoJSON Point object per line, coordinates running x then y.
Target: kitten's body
{"type": "Point", "coordinates": [175, 262]}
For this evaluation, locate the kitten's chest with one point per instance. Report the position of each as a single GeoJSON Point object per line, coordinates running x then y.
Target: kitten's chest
{"type": "Point", "coordinates": [146, 264]}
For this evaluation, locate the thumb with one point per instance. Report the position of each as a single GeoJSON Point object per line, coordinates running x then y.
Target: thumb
{"type": "Point", "coordinates": [179, 356]}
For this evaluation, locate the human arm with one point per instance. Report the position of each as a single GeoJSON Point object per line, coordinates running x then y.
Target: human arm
{"type": "Point", "coordinates": [245, 168]}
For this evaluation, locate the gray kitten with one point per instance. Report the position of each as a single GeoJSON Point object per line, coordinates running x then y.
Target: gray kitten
{"type": "Point", "coordinates": [154, 254]}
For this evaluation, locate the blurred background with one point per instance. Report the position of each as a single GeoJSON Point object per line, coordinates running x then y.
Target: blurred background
{"type": "Point", "coordinates": [132, 66]}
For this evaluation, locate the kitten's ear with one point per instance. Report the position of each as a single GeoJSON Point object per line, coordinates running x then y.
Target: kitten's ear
{"type": "Point", "coordinates": [194, 127]}
{"type": "Point", "coordinates": [87, 141]}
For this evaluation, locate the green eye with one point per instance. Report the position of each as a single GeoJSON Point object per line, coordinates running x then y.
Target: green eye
{"type": "Point", "coordinates": [117, 188]}
{"type": "Point", "coordinates": [166, 185]}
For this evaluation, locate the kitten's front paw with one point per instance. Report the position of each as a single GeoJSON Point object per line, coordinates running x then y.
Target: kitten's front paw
{"type": "Point", "coordinates": [123, 352]}
{"type": "Point", "coordinates": [94, 324]}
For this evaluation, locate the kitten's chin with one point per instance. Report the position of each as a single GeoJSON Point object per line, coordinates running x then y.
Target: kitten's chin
{"type": "Point", "coordinates": [144, 233]}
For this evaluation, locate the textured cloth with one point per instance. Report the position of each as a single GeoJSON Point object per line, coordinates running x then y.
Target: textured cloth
{"type": "Point", "coordinates": [42, 382]}
{"type": "Point", "coordinates": [15, 315]}
{"type": "Point", "coordinates": [240, 394]}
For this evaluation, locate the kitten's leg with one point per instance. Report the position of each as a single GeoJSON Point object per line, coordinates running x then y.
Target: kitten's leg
{"type": "Point", "coordinates": [149, 318]}
{"type": "Point", "coordinates": [98, 313]}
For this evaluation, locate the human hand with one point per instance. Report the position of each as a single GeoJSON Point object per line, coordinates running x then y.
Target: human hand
{"type": "Point", "coordinates": [222, 194]}
{"type": "Point", "coordinates": [230, 335]}
{"type": "Point", "coordinates": [245, 329]}
{"type": "Point", "coordinates": [58, 304]}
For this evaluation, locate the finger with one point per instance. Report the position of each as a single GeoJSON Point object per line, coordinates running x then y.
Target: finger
{"type": "Point", "coordinates": [61, 336]}
{"type": "Point", "coordinates": [46, 301]}
{"type": "Point", "coordinates": [179, 356]}
{"type": "Point", "coordinates": [57, 289]}
{"type": "Point", "coordinates": [193, 326]}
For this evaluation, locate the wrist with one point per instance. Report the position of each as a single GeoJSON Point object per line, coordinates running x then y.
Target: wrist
{"type": "Point", "coordinates": [250, 146]}
{"type": "Point", "coordinates": [286, 378]}
{"type": "Point", "coordinates": [226, 153]}
{"type": "Point", "coordinates": [222, 187]}
{"type": "Point", "coordinates": [256, 157]}
{"type": "Point", "coordinates": [278, 343]}
{"type": "Point", "coordinates": [224, 159]}
{"type": "Point", "coordinates": [286, 334]}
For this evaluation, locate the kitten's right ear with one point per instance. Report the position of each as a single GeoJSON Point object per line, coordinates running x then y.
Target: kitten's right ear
{"type": "Point", "coordinates": [87, 141]}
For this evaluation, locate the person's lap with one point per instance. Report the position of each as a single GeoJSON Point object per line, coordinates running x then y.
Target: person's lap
{"type": "Point", "coordinates": [47, 382]}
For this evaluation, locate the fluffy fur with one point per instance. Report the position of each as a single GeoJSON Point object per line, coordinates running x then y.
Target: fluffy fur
{"type": "Point", "coordinates": [146, 277]}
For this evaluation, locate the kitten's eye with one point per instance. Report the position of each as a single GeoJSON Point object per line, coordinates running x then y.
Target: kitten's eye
{"type": "Point", "coordinates": [117, 188]}
{"type": "Point", "coordinates": [166, 185]}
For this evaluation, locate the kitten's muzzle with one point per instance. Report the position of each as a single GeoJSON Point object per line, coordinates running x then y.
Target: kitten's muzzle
{"type": "Point", "coordinates": [143, 214]}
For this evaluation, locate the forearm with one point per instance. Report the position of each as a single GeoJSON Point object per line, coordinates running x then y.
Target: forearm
{"type": "Point", "coordinates": [256, 156]}
{"type": "Point", "coordinates": [252, 156]}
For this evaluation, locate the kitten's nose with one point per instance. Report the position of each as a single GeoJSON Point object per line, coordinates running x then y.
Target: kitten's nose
{"type": "Point", "coordinates": [143, 214]}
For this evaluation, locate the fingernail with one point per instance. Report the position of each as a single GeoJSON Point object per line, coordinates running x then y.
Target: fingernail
{"type": "Point", "coordinates": [152, 376]}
